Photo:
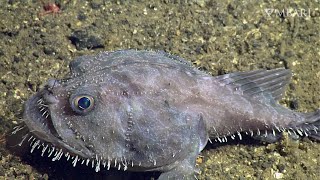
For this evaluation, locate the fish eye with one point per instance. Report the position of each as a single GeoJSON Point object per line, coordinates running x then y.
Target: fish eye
{"type": "Point", "coordinates": [83, 104]}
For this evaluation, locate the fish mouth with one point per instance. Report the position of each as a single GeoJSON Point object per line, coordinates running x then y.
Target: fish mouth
{"type": "Point", "coordinates": [38, 119]}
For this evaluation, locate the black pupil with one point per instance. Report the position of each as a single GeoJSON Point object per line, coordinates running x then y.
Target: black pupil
{"type": "Point", "coordinates": [84, 103]}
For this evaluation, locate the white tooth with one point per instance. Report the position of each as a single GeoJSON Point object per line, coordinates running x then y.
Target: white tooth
{"type": "Point", "coordinates": [74, 162]}
{"type": "Point", "coordinates": [35, 145]}
{"type": "Point", "coordinates": [30, 138]}
{"type": "Point", "coordinates": [239, 134]}
{"type": "Point", "coordinates": [300, 132]}
{"type": "Point", "coordinates": [44, 105]}
{"type": "Point", "coordinates": [61, 154]}
{"type": "Point", "coordinates": [219, 139]}
{"type": "Point", "coordinates": [42, 108]}
{"type": "Point", "coordinates": [108, 164]}
{"type": "Point", "coordinates": [44, 150]}
{"type": "Point", "coordinates": [43, 113]}
{"type": "Point", "coordinates": [92, 163]}
{"type": "Point", "coordinates": [57, 155]}
{"type": "Point", "coordinates": [52, 150]}
{"type": "Point", "coordinates": [265, 133]}
{"type": "Point", "coordinates": [16, 129]}
{"type": "Point", "coordinates": [23, 139]}
{"type": "Point", "coordinates": [98, 166]}
{"type": "Point", "coordinates": [232, 136]}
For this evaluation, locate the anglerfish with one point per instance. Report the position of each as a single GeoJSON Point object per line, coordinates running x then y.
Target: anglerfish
{"type": "Point", "coordinates": [153, 111]}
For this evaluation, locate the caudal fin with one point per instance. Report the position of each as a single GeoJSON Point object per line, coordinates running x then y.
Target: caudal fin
{"type": "Point", "coordinates": [312, 126]}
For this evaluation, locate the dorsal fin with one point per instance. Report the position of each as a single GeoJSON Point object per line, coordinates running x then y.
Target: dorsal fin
{"type": "Point", "coordinates": [258, 81]}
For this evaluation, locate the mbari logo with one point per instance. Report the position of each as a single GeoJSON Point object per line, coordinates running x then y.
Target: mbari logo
{"type": "Point", "coordinates": [288, 12]}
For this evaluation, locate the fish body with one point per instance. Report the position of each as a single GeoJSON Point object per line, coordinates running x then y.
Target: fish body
{"type": "Point", "coordinates": [152, 111]}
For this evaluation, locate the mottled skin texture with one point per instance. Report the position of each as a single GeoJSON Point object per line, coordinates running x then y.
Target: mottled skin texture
{"type": "Point", "coordinates": [154, 111]}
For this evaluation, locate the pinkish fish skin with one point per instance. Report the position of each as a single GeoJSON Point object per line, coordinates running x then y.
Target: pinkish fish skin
{"type": "Point", "coordinates": [152, 111]}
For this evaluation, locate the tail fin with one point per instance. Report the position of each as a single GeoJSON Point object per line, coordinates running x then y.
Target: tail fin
{"type": "Point", "coordinates": [312, 125]}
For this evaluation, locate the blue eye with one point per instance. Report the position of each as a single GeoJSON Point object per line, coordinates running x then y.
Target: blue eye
{"type": "Point", "coordinates": [83, 103]}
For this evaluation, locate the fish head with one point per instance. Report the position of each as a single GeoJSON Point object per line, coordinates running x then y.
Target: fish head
{"type": "Point", "coordinates": [79, 116]}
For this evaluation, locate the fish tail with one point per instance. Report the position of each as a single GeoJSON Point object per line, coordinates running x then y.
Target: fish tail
{"type": "Point", "coordinates": [311, 127]}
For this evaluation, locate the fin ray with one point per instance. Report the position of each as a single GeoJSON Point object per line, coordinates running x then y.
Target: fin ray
{"type": "Point", "coordinates": [272, 81]}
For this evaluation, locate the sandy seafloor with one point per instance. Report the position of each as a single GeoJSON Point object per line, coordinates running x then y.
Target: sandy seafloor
{"type": "Point", "coordinates": [216, 36]}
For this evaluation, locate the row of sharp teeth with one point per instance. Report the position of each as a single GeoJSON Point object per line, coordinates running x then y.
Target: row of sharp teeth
{"type": "Point", "coordinates": [57, 154]}
{"type": "Point", "coordinates": [43, 108]}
